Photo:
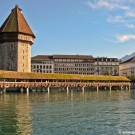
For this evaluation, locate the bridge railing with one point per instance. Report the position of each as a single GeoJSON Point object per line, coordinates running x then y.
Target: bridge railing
{"type": "Point", "coordinates": [62, 84]}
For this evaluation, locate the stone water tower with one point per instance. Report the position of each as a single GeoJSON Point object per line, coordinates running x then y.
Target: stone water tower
{"type": "Point", "coordinates": [16, 38]}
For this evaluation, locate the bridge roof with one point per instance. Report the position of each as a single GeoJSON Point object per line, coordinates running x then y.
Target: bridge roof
{"type": "Point", "coordinates": [22, 75]}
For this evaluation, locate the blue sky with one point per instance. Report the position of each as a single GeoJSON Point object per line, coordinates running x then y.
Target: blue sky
{"type": "Point", "coordinates": [90, 27]}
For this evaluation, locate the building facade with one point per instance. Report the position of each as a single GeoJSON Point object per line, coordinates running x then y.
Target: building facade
{"type": "Point", "coordinates": [127, 68]}
{"type": "Point", "coordinates": [42, 64]}
{"type": "Point", "coordinates": [66, 64]}
{"type": "Point", "coordinates": [74, 64]}
{"type": "Point", "coordinates": [106, 66]}
{"type": "Point", "coordinates": [16, 39]}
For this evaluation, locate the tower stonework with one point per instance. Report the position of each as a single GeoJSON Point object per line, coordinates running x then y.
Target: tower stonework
{"type": "Point", "coordinates": [16, 39]}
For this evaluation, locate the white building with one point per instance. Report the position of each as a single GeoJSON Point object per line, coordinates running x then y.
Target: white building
{"type": "Point", "coordinates": [42, 64]}
{"type": "Point", "coordinates": [104, 66]}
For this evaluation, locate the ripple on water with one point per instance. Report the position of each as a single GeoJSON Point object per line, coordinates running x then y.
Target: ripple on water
{"type": "Point", "coordinates": [61, 113]}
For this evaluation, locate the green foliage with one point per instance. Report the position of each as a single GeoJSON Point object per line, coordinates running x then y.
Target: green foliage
{"type": "Point", "coordinates": [132, 78]}
{"type": "Point", "coordinates": [107, 72]}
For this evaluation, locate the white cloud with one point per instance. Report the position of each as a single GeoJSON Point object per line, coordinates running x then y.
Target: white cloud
{"type": "Point", "coordinates": [130, 13]}
{"type": "Point", "coordinates": [130, 25]}
{"type": "Point", "coordinates": [116, 19]}
{"type": "Point", "coordinates": [101, 4]}
{"type": "Point", "coordinates": [107, 4]}
{"type": "Point", "coordinates": [124, 8]}
{"type": "Point", "coordinates": [122, 20]}
{"type": "Point", "coordinates": [124, 38]}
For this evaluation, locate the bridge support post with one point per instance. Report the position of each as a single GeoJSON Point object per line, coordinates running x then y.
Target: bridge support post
{"type": "Point", "coordinates": [97, 88]}
{"type": "Point", "coordinates": [129, 88]}
{"type": "Point", "coordinates": [121, 87]}
{"type": "Point", "coordinates": [27, 90]}
{"type": "Point", "coordinates": [48, 89]}
{"type": "Point", "coordinates": [110, 88]}
{"type": "Point", "coordinates": [83, 89]}
{"type": "Point", "coordinates": [21, 90]}
{"type": "Point", "coordinates": [4, 89]}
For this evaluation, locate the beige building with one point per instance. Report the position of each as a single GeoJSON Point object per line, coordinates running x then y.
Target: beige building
{"type": "Point", "coordinates": [42, 64]}
{"type": "Point", "coordinates": [106, 66]}
{"type": "Point", "coordinates": [127, 68]}
{"type": "Point", "coordinates": [74, 64]}
{"type": "Point", "coordinates": [66, 64]}
{"type": "Point", "coordinates": [16, 39]}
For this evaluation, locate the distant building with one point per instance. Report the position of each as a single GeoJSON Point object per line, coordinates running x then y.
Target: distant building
{"type": "Point", "coordinates": [16, 39]}
{"type": "Point", "coordinates": [127, 68]}
{"type": "Point", "coordinates": [106, 66]}
{"type": "Point", "coordinates": [66, 64]}
{"type": "Point", "coordinates": [42, 64]}
{"type": "Point", "coordinates": [74, 64]}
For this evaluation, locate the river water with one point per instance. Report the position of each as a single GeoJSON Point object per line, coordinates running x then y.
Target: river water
{"type": "Point", "coordinates": [74, 113]}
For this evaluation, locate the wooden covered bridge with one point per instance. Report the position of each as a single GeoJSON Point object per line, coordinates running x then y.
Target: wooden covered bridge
{"type": "Point", "coordinates": [28, 81]}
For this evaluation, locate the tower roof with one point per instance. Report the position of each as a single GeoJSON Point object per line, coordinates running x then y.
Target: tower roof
{"type": "Point", "coordinates": [16, 23]}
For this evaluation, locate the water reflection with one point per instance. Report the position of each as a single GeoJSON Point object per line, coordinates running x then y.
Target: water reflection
{"type": "Point", "coordinates": [75, 112]}
{"type": "Point", "coordinates": [15, 114]}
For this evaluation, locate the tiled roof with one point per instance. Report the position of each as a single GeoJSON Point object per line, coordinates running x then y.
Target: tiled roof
{"type": "Point", "coordinates": [42, 57]}
{"type": "Point", "coordinates": [131, 60]}
{"type": "Point", "coordinates": [73, 57]}
{"type": "Point", "coordinates": [16, 22]}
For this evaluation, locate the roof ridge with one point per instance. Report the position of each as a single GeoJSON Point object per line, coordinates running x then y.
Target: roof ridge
{"type": "Point", "coordinates": [17, 17]}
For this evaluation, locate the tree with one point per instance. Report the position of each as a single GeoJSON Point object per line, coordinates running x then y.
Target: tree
{"type": "Point", "coordinates": [132, 78]}
{"type": "Point", "coordinates": [107, 72]}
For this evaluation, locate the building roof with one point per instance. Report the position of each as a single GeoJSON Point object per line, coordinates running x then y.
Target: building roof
{"type": "Point", "coordinates": [72, 57]}
{"type": "Point", "coordinates": [42, 57]}
{"type": "Point", "coordinates": [16, 23]}
{"type": "Point", "coordinates": [131, 60]}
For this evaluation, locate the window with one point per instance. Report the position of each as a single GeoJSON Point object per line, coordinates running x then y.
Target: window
{"type": "Point", "coordinates": [68, 60]}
